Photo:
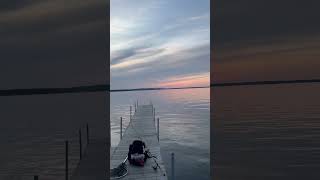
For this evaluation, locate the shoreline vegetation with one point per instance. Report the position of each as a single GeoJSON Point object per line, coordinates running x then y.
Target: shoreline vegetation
{"type": "Point", "coordinates": [105, 87]}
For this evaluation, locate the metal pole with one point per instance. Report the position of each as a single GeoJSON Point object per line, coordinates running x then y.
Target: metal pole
{"type": "Point", "coordinates": [130, 112]}
{"type": "Point", "coordinates": [80, 145]}
{"type": "Point", "coordinates": [158, 129]}
{"type": "Point", "coordinates": [35, 177]}
{"type": "Point", "coordinates": [87, 134]}
{"type": "Point", "coordinates": [66, 163]}
{"type": "Point", "coordinates": [120, 127]}
{"type": "Point", "coordinates": [172, 166]}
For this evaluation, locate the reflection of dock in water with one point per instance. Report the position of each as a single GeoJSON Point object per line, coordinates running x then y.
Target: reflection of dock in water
{"type": "Point", "coordinates": [141, 127]}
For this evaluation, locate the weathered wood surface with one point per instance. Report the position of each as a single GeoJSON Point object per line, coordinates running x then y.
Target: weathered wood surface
{"type": "Point", "coordinates": [141, 126]}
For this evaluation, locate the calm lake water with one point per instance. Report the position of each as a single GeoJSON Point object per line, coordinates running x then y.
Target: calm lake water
{"type": "Point", "coordinates": [184, 126]}
{"type": "Point", "coordinates": [34, 129]}
{"type": "Point", "coordinates": [259, 132]}
{"type": "Point", "coordinates": [266, 132]}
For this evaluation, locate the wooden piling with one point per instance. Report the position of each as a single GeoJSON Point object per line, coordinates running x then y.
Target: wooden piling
{"type": "Point", "coordinates": [80, 144]}
{"type": "Point", "coordinates": [158, 129]}
{"type": "Point", "coordinates": [66, 161]}
{"type": "Point", "coordinates": [35, 177]}
{"type": "Point", "coordinates": [120, 127]}
{"type": "Point", "coordinates": [172, 166]}
{"type": "Point", "coordinates": [87, 134]}
{"type": "Point", "coordinates": [130, 112]}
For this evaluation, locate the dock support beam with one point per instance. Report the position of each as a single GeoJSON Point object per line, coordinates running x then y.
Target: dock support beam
{"type": "Point", "coordinates": [130, 112]}
{"type": "Point", "coordinates": [172, 166]}
{"type": "Point", "coordinates": [80, 144]}
{"type": "Point", "coordinates": [120, 127]}
{"type": "Point", "coordinates": [158, 128]}
{"type": "Point", "coordinates": [35, 177]}
{"type": "Point", "coordinates": [66, 162]}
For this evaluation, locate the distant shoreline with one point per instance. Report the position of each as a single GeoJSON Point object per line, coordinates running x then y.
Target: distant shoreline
{"type": "Point", "coordinates": [153, 89]}
{"type": "Point", "coordinates": [249, 83]}
{"type": "Point", "coordinates": [252, 83]}
{"type": "Point", "coordinates": [105, 87]}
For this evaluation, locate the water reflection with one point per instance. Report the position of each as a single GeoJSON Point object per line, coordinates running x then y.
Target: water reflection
{"type": "Point", "coordinates": [267, 131]}
{"type": "Point", "coordinates": [184, 126]}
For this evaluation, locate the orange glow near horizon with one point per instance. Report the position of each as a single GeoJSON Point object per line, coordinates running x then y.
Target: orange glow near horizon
{"type": "Point", "coordinates": [186, 81]}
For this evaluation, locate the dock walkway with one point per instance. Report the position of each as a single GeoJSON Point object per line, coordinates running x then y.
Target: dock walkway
{"type": "Point", "coordinates": [93, 164]}
{"type": "Point", "coordinates": [141, 127]}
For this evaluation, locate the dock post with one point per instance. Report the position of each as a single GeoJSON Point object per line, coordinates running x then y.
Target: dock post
{"type": "Point", "coordinates": [130, 112]}
{"type": "Point", "coordinates": [35, 177]}
{"type": "Point", "coordinates": [135, 107]}
{"type": "Point", "coordinates": [120, 127]}
{"type": "Point", "coordinates": [80, 145]}
{"type": "Point", "coordinates": [154, 114]}
{"type": "Point", "coordinates": [66, 161]}
{"type": "Point", "coordinates": [158, 129]}
{"type": "Point", "coordinates": [172, 166]}
{"type": "Point", "coordinates": [87, 134]}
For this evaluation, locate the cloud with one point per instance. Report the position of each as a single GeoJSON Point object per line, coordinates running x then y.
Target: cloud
{"type": "Point", "coordinates": [53, 43]}
{"type": "Point", "coordinates": [265, 40]}
{"type": "Point", "coordinates": [237, 21]}
{"type": "Point", "coordinates": [186, 80]}
{"type": "Point", "coordinates": [277, 60]}
{"type": "Point", "coordinates": [165, 40]}
{"type": "Point", "coordinates": [200, 17]}
{"type": "Point", "coordinates": [167, 55]}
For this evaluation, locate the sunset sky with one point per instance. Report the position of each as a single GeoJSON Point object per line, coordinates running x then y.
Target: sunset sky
{"type": "Point", "coordinates": [159, 43]}
{"type": "Point", "coordinates": [265, 40]}
{"type": "Point", "coordinates": [46, 44]}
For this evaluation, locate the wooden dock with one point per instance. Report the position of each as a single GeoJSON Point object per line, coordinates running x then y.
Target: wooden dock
{"type": "Point", "coordinates": [94, 162]}
{"type": "Point", "coordinates": [141, 127]}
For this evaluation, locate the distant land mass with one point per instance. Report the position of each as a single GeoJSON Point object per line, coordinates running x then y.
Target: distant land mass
{"type": "Point", "coordinates": [252, 83]}
{"type": "Point", "coordinates": [105, 87]}
{"type": "Point", "coordinates": [161, 88]}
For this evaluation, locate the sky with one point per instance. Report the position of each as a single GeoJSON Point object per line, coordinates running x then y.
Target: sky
{"type": "Point", "coordinates": [265, 40]}
{"type": "Point", "coordinates": [159, 43]}
{"type": "Point", "coordinates": [58, 43]}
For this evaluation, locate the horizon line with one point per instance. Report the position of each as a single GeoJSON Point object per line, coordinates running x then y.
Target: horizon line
{"type": "Point", "coordinates": [158, 88]}
{"type": "Point", "coordinates": [106, 87]}
{"type": "Point", "coordinates": [267, 82]}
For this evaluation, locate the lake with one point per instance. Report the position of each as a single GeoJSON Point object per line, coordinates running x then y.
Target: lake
{"type": "Point", "coordinates": [184, 126]}
{"type": "Point", "coordinates": [266, 132]}
{"type": "Point", "coordinates": [259, 132]}
{"type": "Point", "coordinates": [34, 130]}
